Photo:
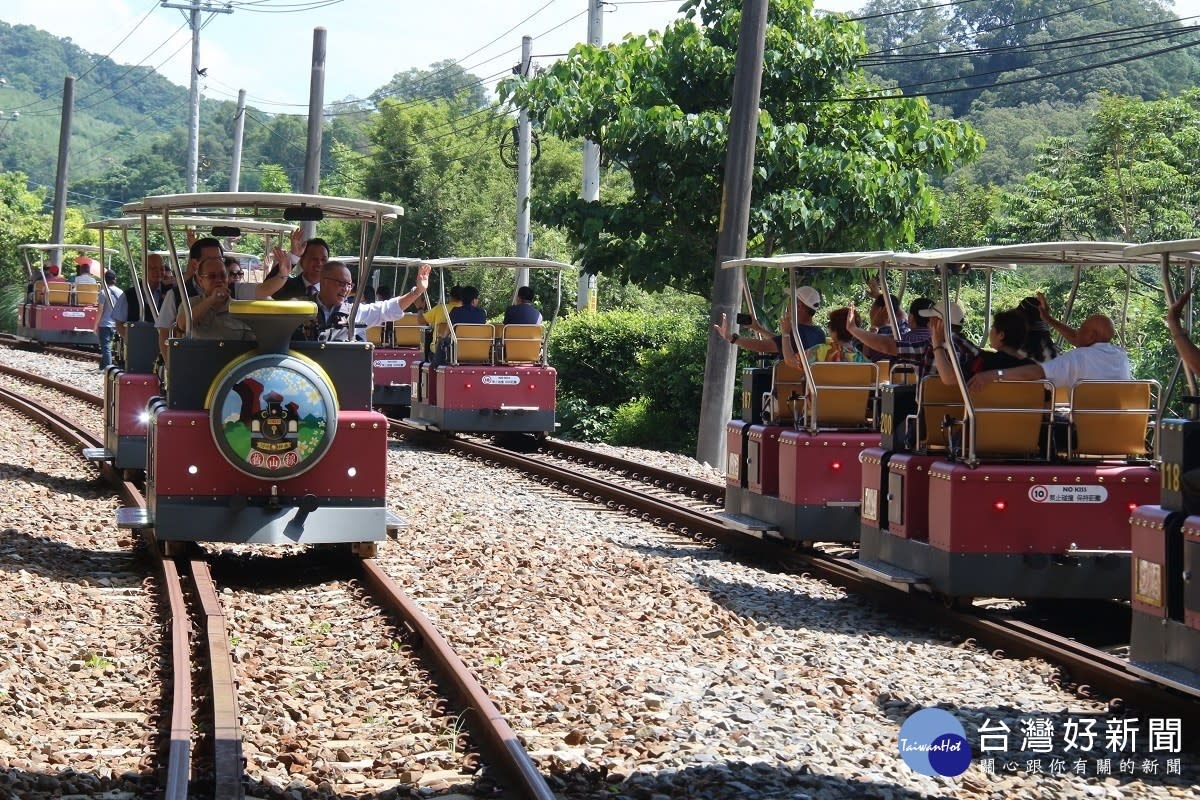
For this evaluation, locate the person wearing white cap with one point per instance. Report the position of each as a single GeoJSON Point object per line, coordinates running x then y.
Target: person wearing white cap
{"type": "Point", "coordinates": [1095, 357]}
{"type": "Point", "coordinates": [912, 344]}
{"type": "Point", "coordinates": [767, 341]}
{"type": "Point", "coordinates": [964, 349]}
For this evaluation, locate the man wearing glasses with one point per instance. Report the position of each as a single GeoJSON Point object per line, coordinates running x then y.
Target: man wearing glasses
{"type": "Point", "coordinates": [334, 303]}
{"type": "Point", "coordinates": [210, 311]}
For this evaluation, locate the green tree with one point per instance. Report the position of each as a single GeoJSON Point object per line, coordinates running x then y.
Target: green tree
{"type": "Point", "coordinates": [831, 172]}
{"type": "Point", "coordinates": [444, 80]}
{"type": "Point", "coordinates": [1131, 178]}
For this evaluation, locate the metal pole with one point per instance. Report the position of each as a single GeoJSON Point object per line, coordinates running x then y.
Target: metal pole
{"type": "Point", "coordinates": [316, 102]}
{"type": "Point", "coordinates": [717, 400]}
{"type": "Point", "coordinates": [524, 131]}
{"type": "Point", "coordinates": [239, 130]}
{"type": "Point", "coordinates": [586, 291]}
{"type": "Point", "coordinates": [57, 226]}
{"type": "Point", "coordinates": [194, 101]}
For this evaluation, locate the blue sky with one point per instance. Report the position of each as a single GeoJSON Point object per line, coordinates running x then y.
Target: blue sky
{"type": "Point", "coordinates": [267, 53]}
{"type": "Point", "coordinates": [368, 41]}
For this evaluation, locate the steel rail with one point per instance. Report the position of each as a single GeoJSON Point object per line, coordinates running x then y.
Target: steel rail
{"type": "Point", "coordinates": [672, 481]}
{"type": "Point", "coordinates": [179, 750]}
{"type": "Point", "coordinates": [491, 728]}
{"type": "Point", "coordinates": [227, 736]}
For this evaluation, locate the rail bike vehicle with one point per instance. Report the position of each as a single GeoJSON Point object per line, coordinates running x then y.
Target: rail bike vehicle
{"type": "Point", "coordinates": [398, 344]}
{"type": "Point", "coordinates": [56, 311]}
{"type": "Point", "coordinates": [263, 439]}
{"type": "Point", "coordinates": [791, 470]}
{"type": "Point", "coordinates": [1164, 643]}
{"type": "Point", "coordinates": [1020, 489]}
{"type": "Point", "coordinates": [131, 382]}
{"type": "Point", "coordinates": [489, 377]}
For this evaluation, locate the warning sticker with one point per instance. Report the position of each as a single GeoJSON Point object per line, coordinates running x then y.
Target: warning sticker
{"type": "Point", "coordinates": [390, 362]}
{"type": "Point", "coordinates": [1076, 493]}
{"type": "Point", "coordinates": [501, 380]}
{"type": "Point", "coordinates": [870, 502]}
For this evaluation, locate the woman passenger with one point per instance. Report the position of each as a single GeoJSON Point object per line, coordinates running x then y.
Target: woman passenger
{"type": "Point", "coordinates": [839, 347]}
{"type": "Point", "coordinates": [1038, 343]}
{"type": "Point", "coordinates": [1007, 333]}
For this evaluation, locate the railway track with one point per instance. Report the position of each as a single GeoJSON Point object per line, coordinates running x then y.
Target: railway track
{"type": "Point", "coordinates": [667, 499]}
{"type": "Point", "coordinates": [203, 666]}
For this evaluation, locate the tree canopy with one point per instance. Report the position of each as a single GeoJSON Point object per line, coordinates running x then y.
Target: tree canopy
{"type": "Point", "coordinates": [837, 166]}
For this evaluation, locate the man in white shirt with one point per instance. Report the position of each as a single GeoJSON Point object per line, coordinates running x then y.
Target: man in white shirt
{"type": "Point", "coordinates": [334, 304]}
{"type": "Point", "coordinates": [1095, 357]}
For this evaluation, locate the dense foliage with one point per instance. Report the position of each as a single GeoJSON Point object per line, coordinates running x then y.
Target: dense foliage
{"type": "Point", "coordinates": [832, 172]}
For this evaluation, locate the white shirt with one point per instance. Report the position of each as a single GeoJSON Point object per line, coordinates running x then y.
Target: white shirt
{"type": "Point", "coordinates": [370, 315]}
{"type": "Point", "coordinates": [1103, 361]}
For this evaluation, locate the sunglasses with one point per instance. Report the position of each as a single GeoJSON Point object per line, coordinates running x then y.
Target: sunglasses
{"type": "Point", "coordinates": [237, 274]}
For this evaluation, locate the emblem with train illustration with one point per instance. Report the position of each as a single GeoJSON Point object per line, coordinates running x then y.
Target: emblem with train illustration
{"type": "Point", "coordinates": [273, 415]}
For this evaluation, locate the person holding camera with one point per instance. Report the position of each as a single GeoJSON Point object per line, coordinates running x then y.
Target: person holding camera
{"type": "Point", "coordinates": [766, 341]}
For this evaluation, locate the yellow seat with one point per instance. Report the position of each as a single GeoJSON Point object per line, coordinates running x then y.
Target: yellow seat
{"type": "Point", "coordinates": [521, 344]}
{"type": "Point", "coordinates": [935, 403]}
{"type": "Point", "coordinates": [1112, 418]}
{"type": "Point", "coordinates": [842, 395]}
{"type": "Point", "coordinates": [39, 293]}
{"type": "Point", "coordinates": [408, 331]}
{"type": "Point", "coordinates": [87, 294]}
{"type": "Point", "coordinates": [58, 293]}
{"type": "Point", "coordinates": [1010, 418]}
{"type": "Point", "coordinates": [787, 392]}
{"type": "Point", "coordinates": [902, 373]}
{"type": "Point", "coordinates": [472, 344]}
{"type": "Point", "coordinates": [375, 335]}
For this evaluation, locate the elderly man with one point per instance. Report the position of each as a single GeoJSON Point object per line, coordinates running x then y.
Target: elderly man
{"type": "Point", "coordinates": [172, 305]}
{"type": "Point", "coordinates": [333, 302]}
{"type": "Point", "coordinates": [210, 317]}
{"type": "Point", "coordinates": [1095, 357]}
{"type": "Point", "coordinates": [281, 286]}
{"type": "Point", "coordinates": [129, 307]}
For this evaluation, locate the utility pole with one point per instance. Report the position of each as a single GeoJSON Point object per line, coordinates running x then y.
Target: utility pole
{"type": "Point", "coordinates": [239, 131]}
{"type": "Point", "coordinates": [316, 116]}
{"type": "Point", "coordinates": [524, 154]}
{"type": "Point", "coordinates": [717, 399]}
{"type": "Point", "coordinates": [586, 294]}
{"type": "Point", "coordinates": [57, 223]}
{"type": "Point", "coordinates": [194, 8]}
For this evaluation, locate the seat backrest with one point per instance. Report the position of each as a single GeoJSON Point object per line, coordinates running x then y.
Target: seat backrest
{"type": "Point", "coordinates": [787, 393]}
{"type": "Point", "coordinates": [935, 402]}
{"type": "Point", "coordinates": [1111, 418]}
{"type": "Point", "coordinates": [522, 344]}
{"type": "Point", "coordinates": [408, 331]}
{"type": "Point", "coordinates": [902, 373]}
{"type": "Point", "coordinates": [473, 344]}
{"type": "Point", "coordinates": [87, 294]}
{"type": "Point", "coordinates": [843, 394]}
{"type": "Point", "coordinates": [375, 335]}
{"type": "Point", "coordinates": [58, 293]}
{"type": "Point", "coordinates": [1011, 417]}
{"type": "Point", "coordinates": [39, 293]}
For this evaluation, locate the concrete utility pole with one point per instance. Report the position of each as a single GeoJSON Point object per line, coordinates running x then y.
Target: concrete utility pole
{"type": "Point", "coordinates": [58, 222]}
{"type": "Point", "coordinates": [316, 117]}
{"type": "Point", "coordinates": [239, 131]}
{"type": "Point", "coordinates": [524, 154]}
{"type": "Point", "coordinates": [717, 399]}
{"type": "Point", "coordinates": [194, 8]}
{"type": "Point", "coordinates": [586, 295]}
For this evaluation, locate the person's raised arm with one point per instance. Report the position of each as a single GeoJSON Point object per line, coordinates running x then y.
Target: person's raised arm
{"type": "Point", "coordinates": [1068, 333]}
{"type": "Point", "coordinates": [1188, 352]}
{"type": "Point", "coordinates": [406, 300]}
{"type": "Point", "coordinates": [276, 278]}
{"type": "Point", "coordinates": [942, 353]}
{"type": "Point", "coordinates": [881, 342]}
{"type": "Point", "coordinates": [753, 345]}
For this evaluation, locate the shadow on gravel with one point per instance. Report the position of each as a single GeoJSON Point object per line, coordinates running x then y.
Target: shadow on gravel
{"type": "Point", "coordinates": [43, 555]}
{"type": "Point", "coordinates": [89, 488]}
{"type": "Point", "coordinates": [732, 781]}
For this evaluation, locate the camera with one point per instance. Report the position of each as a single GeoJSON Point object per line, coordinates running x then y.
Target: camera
{"type": "Point", "coordinates": [744, 319]}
